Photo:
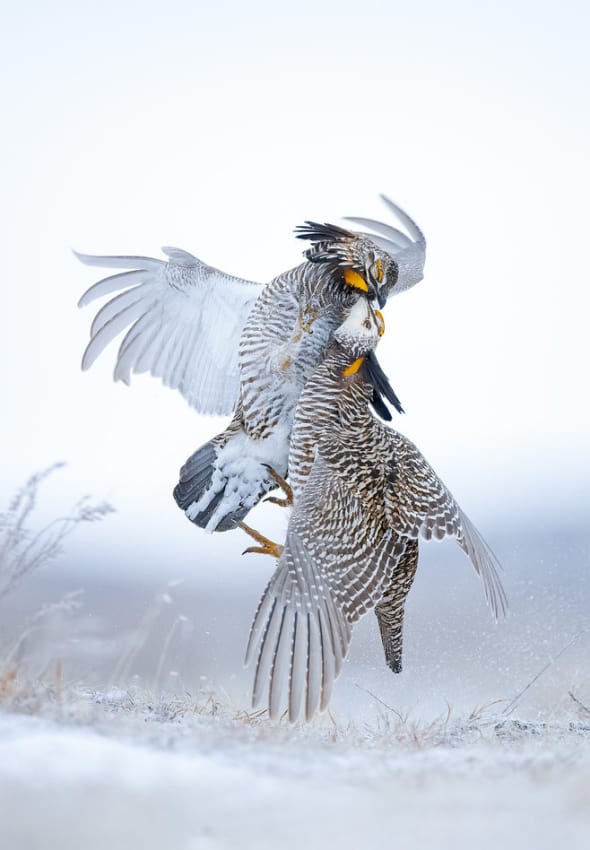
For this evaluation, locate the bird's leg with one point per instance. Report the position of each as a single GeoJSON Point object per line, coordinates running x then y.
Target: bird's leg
{"type": "Point", "coordinates": [280, 481]}
{"type": "Point", "coordinates": [267, 547]}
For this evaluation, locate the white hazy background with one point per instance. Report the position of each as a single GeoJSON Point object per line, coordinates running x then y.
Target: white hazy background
{"type": "Point", "coordinates": [219, 128]}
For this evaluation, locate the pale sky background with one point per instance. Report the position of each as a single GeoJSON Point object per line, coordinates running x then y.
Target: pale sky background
{"type": "Point", "coordinates": [220, 127]}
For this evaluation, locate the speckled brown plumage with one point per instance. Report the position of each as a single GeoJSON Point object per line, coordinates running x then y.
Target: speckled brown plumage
{"type": "Point", "coordinates": [390, 610]}
{"type": "Point", "coordinates": [363, 494]}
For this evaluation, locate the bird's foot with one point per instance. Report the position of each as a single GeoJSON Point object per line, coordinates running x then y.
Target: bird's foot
{"type": "Point", "coordinates": [267, 547]}
{"type": "Point", "coordinates": [286, 488]}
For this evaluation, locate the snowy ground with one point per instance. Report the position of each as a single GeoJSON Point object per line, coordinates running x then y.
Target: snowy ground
{"type": "Point", "coordinates": [125, 720]}
{"type": "Point", "coordinates": [118, 771]}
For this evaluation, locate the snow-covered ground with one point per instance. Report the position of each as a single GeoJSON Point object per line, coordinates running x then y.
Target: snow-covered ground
{"type": "Point", "coordinates": [125, 720]}
{"type": "Point", "coordinates": [119, 771]}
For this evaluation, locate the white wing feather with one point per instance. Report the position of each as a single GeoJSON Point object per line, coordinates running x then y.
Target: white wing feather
{"type": "Point", "coordinates": [183, 320]}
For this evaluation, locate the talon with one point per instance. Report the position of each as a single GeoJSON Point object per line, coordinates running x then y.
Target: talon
{"type": "Point", "coordinates": [267, 547]}
{"type": "Point", "coordinates": [280, 481]}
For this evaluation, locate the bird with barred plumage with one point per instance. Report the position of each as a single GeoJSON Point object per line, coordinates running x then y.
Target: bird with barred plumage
{"type": "Point", "coordinates": [234, 346]}
{"type": "Point", "coordinates": [362, 496]}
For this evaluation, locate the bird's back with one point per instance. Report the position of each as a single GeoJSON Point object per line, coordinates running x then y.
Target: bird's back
{"type": "Point", "coordinates": [285, 337]}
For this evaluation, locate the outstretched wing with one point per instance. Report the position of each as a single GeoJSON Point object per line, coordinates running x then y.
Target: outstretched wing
{"type": "Point", "coordinates": [419, 504]}
{"type": "Point", "coordinates": [332, 571]}
{"type": "Point", "coordinates": [183, 321]}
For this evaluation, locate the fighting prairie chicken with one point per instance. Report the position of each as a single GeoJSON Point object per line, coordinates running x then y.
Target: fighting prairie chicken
{"type": "Point", "coordinates": [234, 346]}
{"type": "Point", "coordinates": [363, 495]}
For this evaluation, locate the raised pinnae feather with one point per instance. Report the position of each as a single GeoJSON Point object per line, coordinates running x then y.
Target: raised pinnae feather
{"type": "Point", "coordinates": [381, 385]}
{"type": "Point", "coordinates": [380, 407]}
{"type": "Point", "coordinates": [316, 232]}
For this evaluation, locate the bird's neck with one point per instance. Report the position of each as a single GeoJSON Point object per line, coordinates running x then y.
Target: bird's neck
{"type": "Point", "coordinates": [331, 399]}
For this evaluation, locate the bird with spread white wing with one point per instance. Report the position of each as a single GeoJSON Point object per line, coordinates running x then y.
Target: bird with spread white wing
{"type": "Point", "coordinates": [235, 346]}
{"type": "Point", "coordinates": [362, 496]}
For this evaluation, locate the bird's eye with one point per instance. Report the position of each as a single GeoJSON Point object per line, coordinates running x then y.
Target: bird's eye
{"type": "Point", "coordinates": [367, 324]}
{"type": "Point", "coordinates": [378, 271]}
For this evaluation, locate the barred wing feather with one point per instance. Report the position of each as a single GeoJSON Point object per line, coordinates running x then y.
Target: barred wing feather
{"type": "Point", "coordinates": [182, 321]}
{"type": "Point", "coordinates": [419, 504]}
{"type": "Point", "coordinates": [415, 500]}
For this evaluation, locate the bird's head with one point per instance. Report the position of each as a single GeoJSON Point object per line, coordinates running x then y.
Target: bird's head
{"type": "Point", "coordinates": [357, 337]}
{"type": "Point", "coordinates": [379, 264]}
{"type": "Point", "coordinates": [361, 330]}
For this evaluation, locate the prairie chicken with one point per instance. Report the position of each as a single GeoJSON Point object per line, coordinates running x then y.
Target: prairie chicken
{"type": "Point", "coordinates": [231, 345]}
{"type": "Point", "coordinates": [362, 496]}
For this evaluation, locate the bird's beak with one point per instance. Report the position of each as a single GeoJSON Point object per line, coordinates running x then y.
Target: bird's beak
{"type": "Point", "coordinates": [381, 320]}
{"type": "Point", "coordinates": [374, 295]}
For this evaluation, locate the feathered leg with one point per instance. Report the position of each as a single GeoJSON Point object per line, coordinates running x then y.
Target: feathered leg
{"type": "Point", "coordinates": [227, 476]}
{"type": "Point", "coordinates": [390, 611]}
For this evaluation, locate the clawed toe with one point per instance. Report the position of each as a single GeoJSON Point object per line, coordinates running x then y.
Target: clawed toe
{"type": "Point", "coordinates": [267, 547]}
{"type": "Point", "coordinates": [280, 482]}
